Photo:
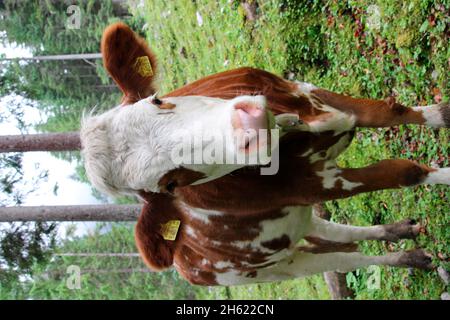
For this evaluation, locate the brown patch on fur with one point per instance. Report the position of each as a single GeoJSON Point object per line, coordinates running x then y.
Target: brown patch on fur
{"type": "Point", "coordinates": [394, 106]}
{"type": "Point", "coordinates": [167, 106]}
{"type": "Point", "coordinates": [323, 246]}
{"type": "Point", "coordinates": [250, 81]}
{"type": "Point", "coordinates": [120, 48]}
{"type": "Point", "coordinates": [277, 244]}
{"type": "Point", "coordinates": [386, 174]}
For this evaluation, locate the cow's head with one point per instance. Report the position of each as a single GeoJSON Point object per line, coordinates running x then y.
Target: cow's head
{"type": "Point", "coordinates": [143, 146]}
{"type": "Point", "coordinates": [152, 144]}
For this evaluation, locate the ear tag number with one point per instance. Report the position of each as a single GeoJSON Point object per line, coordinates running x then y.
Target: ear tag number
{"type": "Point", "coordinates": [169, 230]}
{"type": "Point", "coordinates": [143, 67]}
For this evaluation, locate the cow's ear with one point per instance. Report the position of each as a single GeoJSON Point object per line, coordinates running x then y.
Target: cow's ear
{"type": "Point", "coordinates": [151, 232]}
{"type": "Point", "coordinates": [129, 61]}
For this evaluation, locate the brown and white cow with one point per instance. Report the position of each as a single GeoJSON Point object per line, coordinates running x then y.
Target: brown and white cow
{"type": "Point", "coordinates": [238, 226]}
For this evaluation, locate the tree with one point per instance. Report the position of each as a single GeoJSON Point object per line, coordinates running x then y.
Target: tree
{"type": "Point", "coordinates": [104, 276]}
{"type": "Point", "coordinates": [336, 281]}
{"type": "Point", "coordinates": [64, 88]}
{"type": "Point", "coordinates": [22, 245]}
{"type": "Point", "coordinates": [36, 24]}
{"type": "Point", "coordinates": [103, 254]}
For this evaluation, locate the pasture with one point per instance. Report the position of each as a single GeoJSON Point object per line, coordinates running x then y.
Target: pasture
{"type": "Point", "coordinates": [346, 46]}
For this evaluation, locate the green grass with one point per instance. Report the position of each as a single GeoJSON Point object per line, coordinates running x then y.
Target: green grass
{"type": "Point", "coordinates": [338, 46]}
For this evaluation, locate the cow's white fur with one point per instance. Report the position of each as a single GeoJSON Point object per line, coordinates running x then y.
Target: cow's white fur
{"type": "Point", "coordinates": [343, 233]}
{"type": "Point", "coordinates": [129, 148]}
{"type": "Point", "coordinates": [336, 121]}
{"type": "Point", "coordinates": [440, 176]}
{"type": "Point", "coordinates": [294, 263]}
{"type": "Point", "coordinates": [303, 264]}
{"type": "Point", "coordinates": [432, 114]}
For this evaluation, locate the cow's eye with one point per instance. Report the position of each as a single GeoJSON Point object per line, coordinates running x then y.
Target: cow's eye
{"type": "Point", "coordinates": [157, 101]}
{"type": "Point", "coordinates": [170, 187]}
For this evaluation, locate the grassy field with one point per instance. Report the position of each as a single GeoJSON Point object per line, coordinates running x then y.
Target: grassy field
{"type": "Point", "coordinates": [362, 48]}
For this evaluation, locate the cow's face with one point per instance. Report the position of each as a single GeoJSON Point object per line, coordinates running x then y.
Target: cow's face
{"type": "Point", "coordinates": [158, 144]}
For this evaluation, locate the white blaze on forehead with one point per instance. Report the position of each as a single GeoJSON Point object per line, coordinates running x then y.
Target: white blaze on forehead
{"type": "Point", "coordinates": [142, 152]}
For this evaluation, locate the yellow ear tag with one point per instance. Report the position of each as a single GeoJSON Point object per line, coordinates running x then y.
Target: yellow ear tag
{"type": "Point", "coordinates": [169, 230]}
{"type": "Point", "coordinates": [143, 67]}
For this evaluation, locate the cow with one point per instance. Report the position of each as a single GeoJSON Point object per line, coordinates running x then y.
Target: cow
{"type": "Point", "coordinates": [227, 223]}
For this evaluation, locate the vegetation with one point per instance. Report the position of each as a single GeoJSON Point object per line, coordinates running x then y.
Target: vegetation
{"type": "Point", "coordinates": [105, 277]}
{"type": "Point", "coordinates": [362, 48]}
{"type": "Point", "coordinates": [368, 50]}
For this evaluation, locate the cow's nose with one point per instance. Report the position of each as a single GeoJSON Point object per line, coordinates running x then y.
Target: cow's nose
{"type": "Point", "coordinates": [250, 115]}
{"type": "Point", "coordinates": [250, 108]}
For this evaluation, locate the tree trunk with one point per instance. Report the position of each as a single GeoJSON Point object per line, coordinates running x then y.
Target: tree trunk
{"type": "Point", "coordinates": [104, 212]}
{"type": "Point", "coordinates": [120, 8]}
{"type": "Point", "coordinates": [336, 281]}
{"type": "Point", "coordinates": [120, 255]}
{"type": "Point", "coordinates": [63, 141]}
{"type": "Point", "coordinates": [77, 56]}
{"type": "Point", "coordinates": [337, 285]}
